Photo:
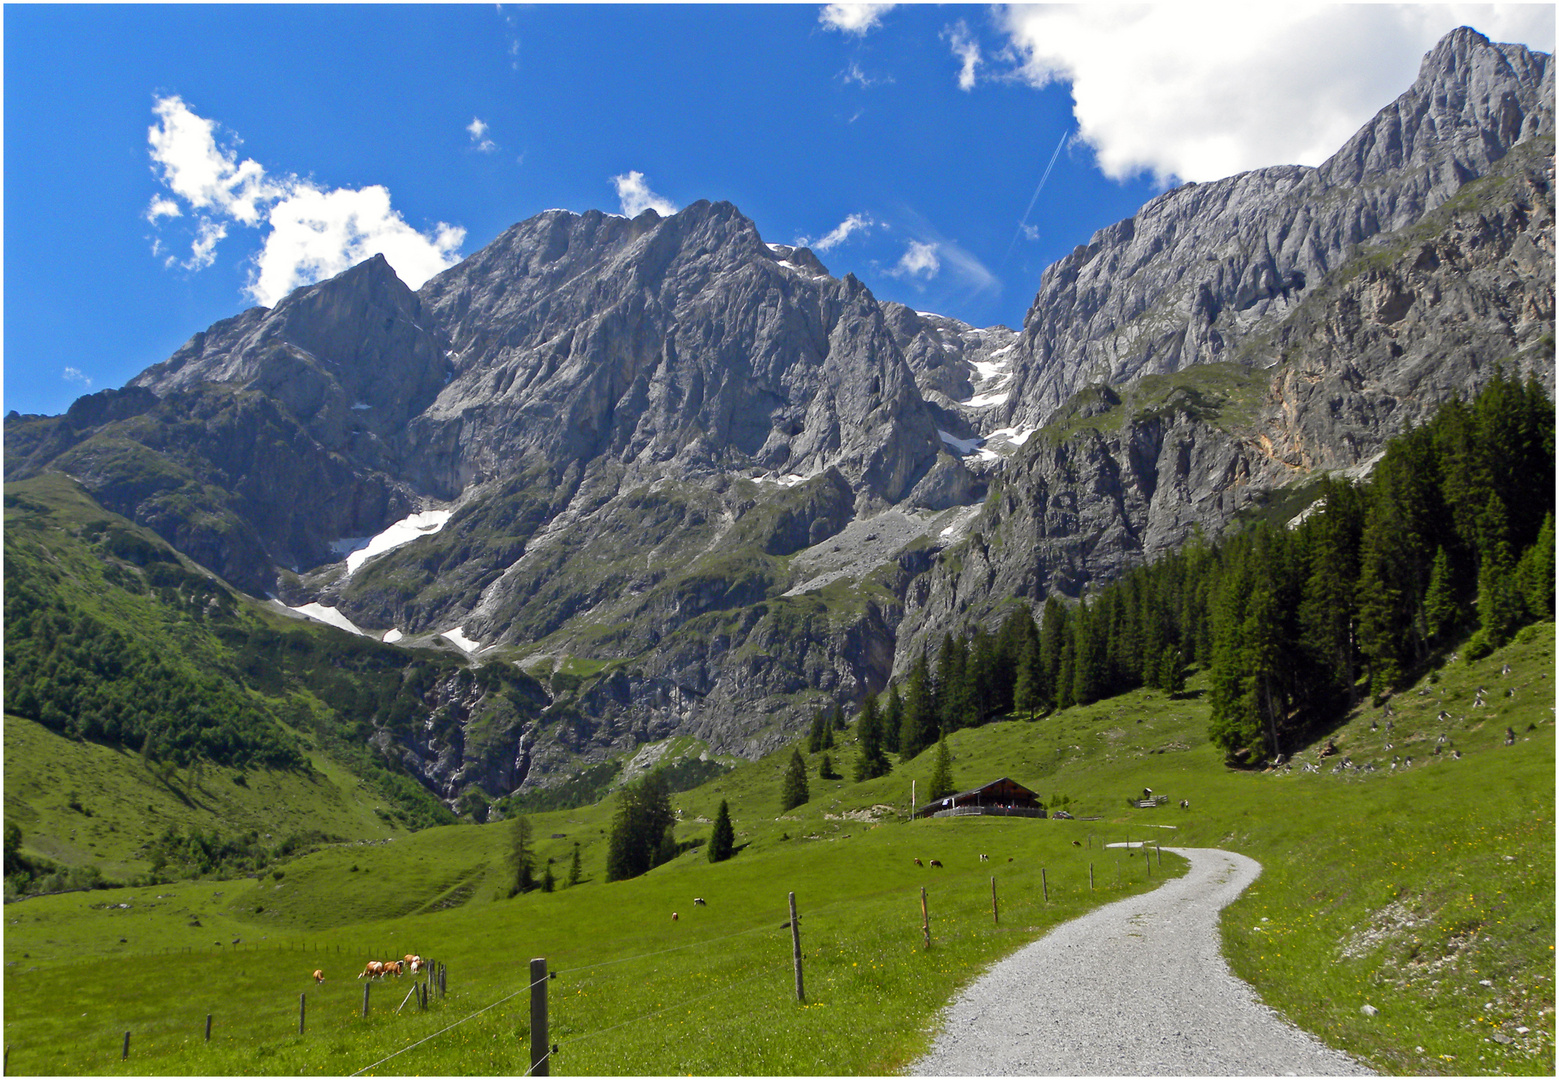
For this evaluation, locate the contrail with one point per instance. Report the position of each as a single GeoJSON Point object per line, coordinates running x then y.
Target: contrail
{"type": "Point", "coordinates": [1035, 197]}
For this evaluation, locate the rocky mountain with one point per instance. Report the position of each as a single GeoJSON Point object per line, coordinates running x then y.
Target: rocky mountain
{"type": "Point", "coordinates": [698, 486]}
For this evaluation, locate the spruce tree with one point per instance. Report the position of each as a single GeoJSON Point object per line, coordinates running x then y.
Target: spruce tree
{"type": "Point", "coordinates": [1439, 599]}
{"type": "Point", "coordinates": [794, 790]}
{"type": "Point", "coordinates": [872, 762]}
{"type": "Point", "coordinates": [919, 727]}
{"type": "Point", "coordinates": [1535, 573]}
{"type": "Point", "coordinates": [1027, 691]}
{"type": "Point", "coordinates": [722, 841]}
{"type": "Point", "coordinates": [522, 861]}
{"type": "Point", "coordinates": [942, 771]}
{"type": "Point", "coordinates": [639, 828]}
{"type": "Point", "coordinates": [825, 769]}
{"type": "Point", "coordinates": [892, 720]}
{"type": "Point", "coordinates": [573, 867]}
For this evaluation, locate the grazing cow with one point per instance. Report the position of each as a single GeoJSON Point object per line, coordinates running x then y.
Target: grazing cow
{"type": "Point", "coordinates": [319, 976]}
{"type": "Point", "coordinates": [373, 970]}
{"type": "Point", "coordinates": [1077, 843]}
{"type": "Point", "coordinates": [673, 916]}
{"type": "Point", "coordinates": [936, 862]}
{"type": "Point", "coordinates": [1185, 804]}
{"type": "Point", "coordinates": [985, 858]}
{"type": "Point", "coordinates": [1510, 736]}
{"type": "Point", "coordinates": [698, 901]}
{"type": "Point", "coordinates": [919, 863]}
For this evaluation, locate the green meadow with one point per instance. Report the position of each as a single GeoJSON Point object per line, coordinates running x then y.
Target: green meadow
{"type": "Point", "coordinates": [1425, 892]}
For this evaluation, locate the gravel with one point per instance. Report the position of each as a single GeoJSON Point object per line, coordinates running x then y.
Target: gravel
{"type": "Point", "coordinates": [1136, 988]}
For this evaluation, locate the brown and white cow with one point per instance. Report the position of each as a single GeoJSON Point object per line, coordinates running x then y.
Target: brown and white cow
{"type": "Point", "coordinates": [319, 976]}
{"type": "Point", "coordinates": [373, 970]}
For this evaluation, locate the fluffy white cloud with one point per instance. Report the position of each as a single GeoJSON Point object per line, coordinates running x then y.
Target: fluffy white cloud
{"type": "Point", "coordinates": [203, 251]}
{"type": "Point", "coordinates": [203, 174]}
{"type": "Point", "coordinates": [316, 234]}
{"type": "Point", "coordinates": [478, 129]}
{"type": "Point", "coordinates": [76, 375]}
{"type": "Point", "coordinates": [839, 234]}
{"type": "Point", "coordinates": [1201, 91]}
{"type": "Point", "coordinates": [311, 232]}
{"type": "Point", "coordinates": [637, 197]}
{"type": "Point", "coordinates": [920, 260]}
{"type": "Point", "coordinates": [966, 49]}
{"type": "Point", "coordinates": [853, 18]}
{"type": "Point", "coordinates": [161, 208]}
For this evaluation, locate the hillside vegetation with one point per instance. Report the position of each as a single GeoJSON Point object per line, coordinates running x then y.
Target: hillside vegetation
{"type": "Point", "coordinates": [1405, 889]}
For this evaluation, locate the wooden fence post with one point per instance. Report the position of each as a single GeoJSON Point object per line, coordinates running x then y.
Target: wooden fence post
{"type": "Point", "coordinates": [125, 1054]}
{"type": "Point", "coordinates": [1159, 851]}
{"type": "Point", "coordinates": [1044, 884]}
{"type": "Point", "coordinates": [995, 915]}
{"type": "Point", "coordinates": [539, 1043]}
{"type": "Point", "coordinates": [208, 1027]}
{"type": "Point", "coordinates": [1090, 877]}
{"type": "Point", "coordinates": [302, 1007]}
{"type": "Point", "coordinates": [366, 985]}
{"type": "Point", "coordinates": [795, 947]}
{"type": "Point", "coordinates": [925, 917]}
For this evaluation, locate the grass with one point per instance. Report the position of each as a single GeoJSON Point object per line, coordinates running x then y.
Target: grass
{"type": "Point", "coordinates": [1401, 889]}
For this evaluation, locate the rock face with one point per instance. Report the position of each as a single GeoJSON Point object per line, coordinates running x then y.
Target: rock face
{"type": "Point", "coordinates": [1201, 273]}
{"type": "Point", "coordinates": [699, 486]}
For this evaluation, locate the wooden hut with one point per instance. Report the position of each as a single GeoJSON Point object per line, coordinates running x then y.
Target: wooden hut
{"type": "Point", "coordinates": [1004, 798]}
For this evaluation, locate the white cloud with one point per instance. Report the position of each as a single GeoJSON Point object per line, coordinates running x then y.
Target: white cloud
{"type": "Point", "coordinates": [840, 233]}
{"type": "Point", "coordinates": [637, 197]}
{"type": "Point", "coordinates": [311, 232]}
{"type": "Point", "coordinates": [853, 73]}
{"type": "Point", "coordinates": [1202, 91]}
{"type": "Point", "coordinates": [161, 208]}
{"type": "Point", "coordinates": [920, 260]}
{"type": "Point", "coordinates": [853, 18]}
{"type": "Point", "coordinates": [966, 49]}
{"type": "Point", "coordinates": [200, 172]}
{"type": "Point", "coordinates": [478, 129]}
{"type": "Point", "coordinates": [203, 250]}
{"type": "Point", "coordinates": [316, 234]}
{"type": "Point", "coordinates": [75, 375]}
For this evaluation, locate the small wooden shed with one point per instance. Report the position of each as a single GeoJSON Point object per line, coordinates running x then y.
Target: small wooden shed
{"type": "Point", "coordinates": [1005, 798]}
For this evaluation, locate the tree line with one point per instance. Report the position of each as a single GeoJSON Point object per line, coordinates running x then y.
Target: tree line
{"type": "Point", "coordinates": [1451, 535]}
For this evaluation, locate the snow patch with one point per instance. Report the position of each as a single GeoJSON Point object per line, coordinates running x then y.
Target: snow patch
{"type": "Point", "coordinates": [964, 447]}
{"type": "Point", "coordinates": [328, 615]}
{"type": "Point", "coordinates": [358, 551]}
{"type": "Point", "coordinates": [457, 635]}
{"type": "Point", "coordinates": [1015, 436]}
{"type": "Point", "coordinates": [789, 480]}
{"type": "Point", "coordinates": [392, 636]}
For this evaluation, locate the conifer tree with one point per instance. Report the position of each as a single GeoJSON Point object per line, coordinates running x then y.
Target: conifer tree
{"type": "Point", "coordinates": [637, 839]}
{"type": "Point", "coordinates": [840, 724]}
{"type": "Point", "coordinates": [872, 761]}
{"type": "Point", "coordinates": [892, 720]}
{"type": "Point", "coordinates": [919, 727]}
{"type": "Point", "coordinates": [815, 734]}
{"type": "Point", "coordinates": [522, 861]}
{"type": "Point", "coordinates": [942, 770]}
{"type": "Point", "coordinates": [1535, 573]}
{"type": "Point", "coordinates": [1028, 690]}
{"type": "Point", "coordinates": [722, 841]}
{"type": "Point", "coordinates": [794, 791]}
{"type": "Point", "coordinates": [1439, 600]}
{"type": "Point", "coordinates": [825, 769]}
{"type": "Point", "coordinates": [573, 867]}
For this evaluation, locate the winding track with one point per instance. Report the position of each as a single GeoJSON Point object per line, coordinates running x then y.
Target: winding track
{"type": "Point", "coordinates": [1138, 987]}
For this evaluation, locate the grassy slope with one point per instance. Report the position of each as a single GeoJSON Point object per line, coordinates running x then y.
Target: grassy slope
{"type": "Point", "coordinates": [1400, 889]}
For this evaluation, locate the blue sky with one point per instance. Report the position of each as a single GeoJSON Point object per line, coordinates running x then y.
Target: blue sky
{"type": "Point", "coordinates": [168, 166]}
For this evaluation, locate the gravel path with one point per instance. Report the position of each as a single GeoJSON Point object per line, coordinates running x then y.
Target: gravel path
{"type": "Point", "coordinates": [1138, 987]}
